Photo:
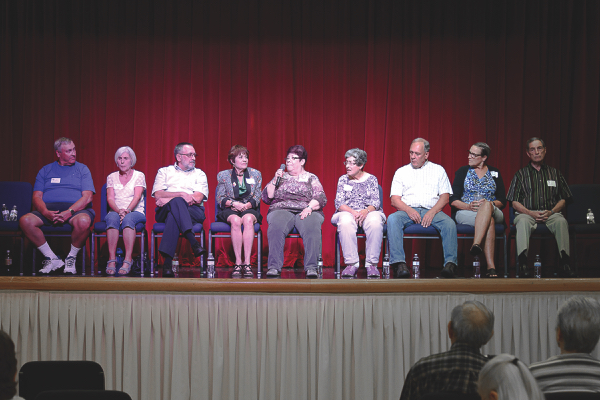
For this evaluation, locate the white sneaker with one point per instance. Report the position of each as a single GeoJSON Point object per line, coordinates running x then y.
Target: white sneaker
{"type": "Point", "coordinates": [70, 265]}
{"type": "Point", "coordinates": [350, 270]}
{"type": "Point", "coordinates": [51, 264]}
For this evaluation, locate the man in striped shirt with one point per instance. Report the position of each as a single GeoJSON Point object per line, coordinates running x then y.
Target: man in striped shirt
{"type": "Point", "coordinates": [539, 193]}
{"type": "Point", "coordinates": [577, 333]}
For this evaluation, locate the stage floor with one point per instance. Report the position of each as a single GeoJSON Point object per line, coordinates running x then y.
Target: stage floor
{"type": "Point", "coordinates": [294, 285]}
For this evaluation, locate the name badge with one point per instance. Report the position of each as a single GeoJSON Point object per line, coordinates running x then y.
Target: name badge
{"type": "Point", "coordinates": [552, 183]}
{"type": "Point", "coordinates": [303, 178]}
{"type": "Point", "coordinates": [55, 180]}
{"type": "Point", "coordinates": [494, 174]}
{"type": "Point", "coordinates": [251, 181]}
{"type": "Point", "coordinates": [118, 186]}
{"type": "Point", "coordinates": [348, 188]}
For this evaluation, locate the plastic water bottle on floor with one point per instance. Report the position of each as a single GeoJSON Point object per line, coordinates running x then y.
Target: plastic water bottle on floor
{"type": "Point", "coordinates": [13, 214]}
{"type": "Point", "coordinates": [590, 217]}
{"type": "Point", "coordinates": [386, 265]}
{"type": "Point", "coordinates": [416, 267]}
{"type": "Point", "coordinates": [175, 265]}
{"type": "Point", "coordinates": [320, 266]}
{"type": "Point", "coordinates": [8, 264]}
{"type": "Point", "coordinates": [5, 213]}
{"type": "Point", "coordinates": [476, 268]}
{"type": "Point", "coordinates": [537, 266]}
{"type": "Point", "coordinates": [210, 265]}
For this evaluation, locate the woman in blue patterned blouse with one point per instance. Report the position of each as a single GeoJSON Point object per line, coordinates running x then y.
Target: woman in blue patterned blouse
{"type": "Point", "coordinates": [478, 197]}
{"type": "Point", "coordinates": [357, 203]}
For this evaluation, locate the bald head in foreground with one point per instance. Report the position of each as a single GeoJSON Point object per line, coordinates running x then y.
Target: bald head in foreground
{"type": "Point", "coordinates": [456, 371]}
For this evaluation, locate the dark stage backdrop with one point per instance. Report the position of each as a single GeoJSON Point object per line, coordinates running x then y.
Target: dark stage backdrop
{"type": "Point", "coordinates": [330, 75]}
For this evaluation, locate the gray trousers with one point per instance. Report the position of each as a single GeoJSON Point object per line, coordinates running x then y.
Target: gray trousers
{"type": "Point", "coordinates": [556, 223]}
{"type": "Point", "coordinates": [281, 223]}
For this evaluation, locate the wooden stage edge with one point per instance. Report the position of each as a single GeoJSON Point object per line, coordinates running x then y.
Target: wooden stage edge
{"type": "Point", "coordinates": [318, 286]}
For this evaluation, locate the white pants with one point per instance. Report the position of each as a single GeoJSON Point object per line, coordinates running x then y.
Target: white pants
{"type": "Point", "coordinates": [347, 227]}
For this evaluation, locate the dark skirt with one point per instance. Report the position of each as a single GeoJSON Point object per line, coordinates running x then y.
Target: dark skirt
{"type": "Point", "coordinates": [224, 214]}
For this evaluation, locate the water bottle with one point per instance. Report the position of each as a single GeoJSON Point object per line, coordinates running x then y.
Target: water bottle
{"type": "Point", "coordinates": [8, 263]}
{"type": "Point", "coordinates": [386, 264]}
{"type": "Point", "coordinates": [590, 216]}
{"type": "Point", "coordinates": [537, 267]}
{"type": "Point", "coordinates": [13, 214]}
{"type": "Point", "coordinates": [416, 267]}
{"type": "Point", "coordinates": [210, 265]}
{"type": "Point", "coordinates": [476, 268]}
{"type": "Point", "coordinates": [144, 259]}
{"type": "Point", "coordinates": [5, 213]}
{"type": "Point", "coordinates": [175, 265]}
{"type": "Point", "coordinates": [320, 266]}
{"type": "Point", "coordinates": [120, 258]}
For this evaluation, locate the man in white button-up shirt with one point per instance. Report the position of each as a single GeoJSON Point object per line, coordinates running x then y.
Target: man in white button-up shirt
{"type": "Point", "coordinates": [180, 191]}
{"type": "Point", "coordinates": [420, 190]}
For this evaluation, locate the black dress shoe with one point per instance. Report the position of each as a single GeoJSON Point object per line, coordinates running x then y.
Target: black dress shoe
{"type": "Point", "coordinates": [524, 272]}
{"type": "Point", "coordinates": [476, 250]}
{"type": "Point", "coordinates": [400, 270]}
{"type": "Point", "coordinates": [168, 273]}
{"type": "Point", "coordinates": [449, 270]}
{"type": "Point", "coordinates": [566, 272]}
{"type": "Point", "coordinates": [198, 250]}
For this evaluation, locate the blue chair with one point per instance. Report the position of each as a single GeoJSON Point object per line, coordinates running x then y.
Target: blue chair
{"type": "Point", "coordinates": [541, 232]}
{"type": "Point", "coordinates": [157, 233]}
{"type": "Point", "coordinates": [585, 197]}
{"type": "Point", "coordinates": [360, 233]}
{"type": "Point", "coordinates": [220, 230]}
{"type": "Point", "coordinates": [99, 230]}
{"type": "Point", "coordinates": [15, 194]}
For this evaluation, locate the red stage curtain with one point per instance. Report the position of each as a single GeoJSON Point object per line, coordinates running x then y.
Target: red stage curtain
{"type": "Point", "coordinates": [330, 75]}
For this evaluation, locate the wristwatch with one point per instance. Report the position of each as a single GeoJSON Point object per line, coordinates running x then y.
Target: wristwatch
{"type": "Point", "coordinates": [72, 211]}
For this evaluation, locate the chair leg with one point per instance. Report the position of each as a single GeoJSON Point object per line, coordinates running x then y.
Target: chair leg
{"type": "Point", "coordinates": [259, 253]}
{"type": "Point", "coordinates": [21, 259]}
{"type": "Point", "coordinates": [142, 258]}
{"type": "Point", "coordinates": [337, 255]}
{"type": "Point", "coordinates": [92, 253]}
{"type": "Point", "coordinates": [152, 253]}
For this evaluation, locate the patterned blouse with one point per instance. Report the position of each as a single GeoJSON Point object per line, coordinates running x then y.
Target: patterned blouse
{"type": "Point", "coordinates": [357, 195]}
{"type": "Point", "coordinates": [124, 193]}
{"type": "Point", "coordinates": [295, 192]}
{"type": "Point", "coordinates": [485, 186]}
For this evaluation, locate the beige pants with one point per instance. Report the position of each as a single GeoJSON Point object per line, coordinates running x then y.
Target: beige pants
{"type": "Point", "coordinates": [556, 223]}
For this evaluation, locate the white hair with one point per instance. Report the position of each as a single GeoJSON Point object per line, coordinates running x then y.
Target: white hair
{"type": "Point", "coordinates": [125, 149]}
{"type": "Point", "coordinates": [510, 378]}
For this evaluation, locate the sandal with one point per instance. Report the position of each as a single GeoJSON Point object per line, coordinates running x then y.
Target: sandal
{"type": "Point", "coordinates": [111, 271]}
{"type": "Point", "coordinates": [237, 271]}
{"type": "Point", "coordinates": [124, 268]}
{"type": "Point", "coordinates": [476, 249]}
{"type": "Point", "coordinates": [491, 273]}
{"type": "Point", "coordinates": [247, 271]}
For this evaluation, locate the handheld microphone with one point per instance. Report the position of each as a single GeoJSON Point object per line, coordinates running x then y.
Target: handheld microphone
{"type": "Point", "coordinates": [279, 178]}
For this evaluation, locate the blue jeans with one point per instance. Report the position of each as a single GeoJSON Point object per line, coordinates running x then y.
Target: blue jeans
{"type": "Point", "coordinates": [113, 221]}
{"type": "Point", "coordinates": [441, 222]}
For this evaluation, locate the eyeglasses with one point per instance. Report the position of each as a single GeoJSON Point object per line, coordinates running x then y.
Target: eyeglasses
{"type": "Point", "coordinates": [290, 159]}
{"type": "Point", "coordinates": [474, 155]}
{"type": "Point", "coordinates": [534, 149]}
{"type": "Point", "coordinates": [350, 163]}
{"type": "Point", "coordinates": [189, 155]}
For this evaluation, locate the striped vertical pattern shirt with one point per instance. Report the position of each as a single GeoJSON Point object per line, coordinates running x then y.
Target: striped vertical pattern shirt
{"type": "Point", "coordinates": [576, 372]}
{"type": "Point", "coordinates": [538, 190]}
{"type": "Point", "coordinates": [455, 371]}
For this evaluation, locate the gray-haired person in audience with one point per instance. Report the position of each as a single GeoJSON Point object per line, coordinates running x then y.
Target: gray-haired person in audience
{"type": "Point", "coordinates": [577, 333]}
{"type": "Point", "coordinates": [358, 204]}
{"type": "Point", "coordinates": [504, 377]}
{"type": "Point", "coordinates": [456, 370]}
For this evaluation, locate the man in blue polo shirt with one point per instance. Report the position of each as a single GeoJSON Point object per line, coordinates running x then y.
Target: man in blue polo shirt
{"type": "Point", "coordinates": [62, 193]}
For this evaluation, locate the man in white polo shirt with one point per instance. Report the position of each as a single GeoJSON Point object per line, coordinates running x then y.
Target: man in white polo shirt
{"type": "Point", "coordinates": [420, 190]}
{"type": "Point", "coordinates": [180, 191]}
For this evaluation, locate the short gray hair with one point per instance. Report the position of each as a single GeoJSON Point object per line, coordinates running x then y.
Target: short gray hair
{"type": "Point", "coordinates": [485, 149]}
{"type": "Point", "coordinates": [509, 377]}
{"type": "Point", "coordinates": [533, 139]}
{"type": "Point", "coordinates": [425, 143]}
{"type": "Point", "coordinates": [179, 148]}
{"type": "Point", "coordinates": [472, 323]}
{"type": "Point", "coordinates": [579, 323]}
{"type": "Point", "coordinates": [359, 155]}
{"type": "Point", "coordinates": [125, 149]}
{"type": "Point", "coordinates": [60, 141]}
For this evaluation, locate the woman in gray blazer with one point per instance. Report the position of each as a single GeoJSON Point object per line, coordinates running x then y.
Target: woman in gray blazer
{"type": "Point", "coordinates": [239, 191]}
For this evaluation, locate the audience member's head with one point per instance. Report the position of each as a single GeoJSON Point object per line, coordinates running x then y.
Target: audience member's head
{"type": "Point", "coordinates": [8, 367]}
{"type": "Point", "coordinates": [504, 377]}
{"type": "Point", "coordinates": [578, 325]}
{"type": "Point", "coordinates": [472, 323]}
